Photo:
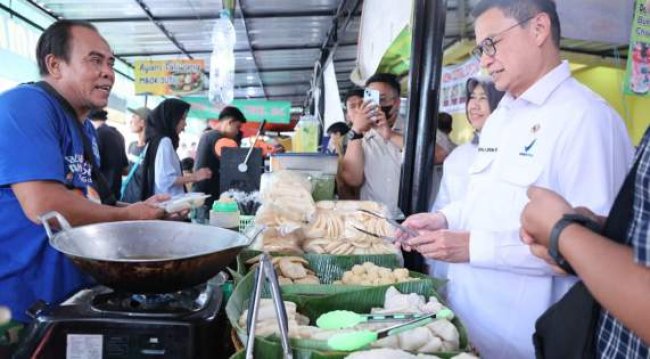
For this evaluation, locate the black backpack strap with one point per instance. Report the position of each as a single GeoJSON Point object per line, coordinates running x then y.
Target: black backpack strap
{"type": "Point", "coordinates": [100, 183]}
{"type": "Point", "coordinates": [622, 212]}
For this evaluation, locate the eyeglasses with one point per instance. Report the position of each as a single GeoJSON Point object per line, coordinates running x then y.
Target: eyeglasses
{"type": "Point", "coordinates": [488, 46]}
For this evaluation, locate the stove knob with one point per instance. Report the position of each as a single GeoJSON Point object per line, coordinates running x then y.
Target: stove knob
{"type": "Point", "coordinates": [37, 309]}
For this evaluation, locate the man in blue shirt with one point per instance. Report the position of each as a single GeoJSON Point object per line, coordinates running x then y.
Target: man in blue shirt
{"type": "Point", "coordinates": [43, 165]}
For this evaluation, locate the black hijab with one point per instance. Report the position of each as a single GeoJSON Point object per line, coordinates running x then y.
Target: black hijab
{"type": "Point", "coordinates": [161, 123]}
{"type": "Point", "coordinates": [164, 119]}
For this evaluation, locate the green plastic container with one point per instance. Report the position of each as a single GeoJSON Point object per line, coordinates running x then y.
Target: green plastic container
{"type": "Point", "coordinates": [225, 214]}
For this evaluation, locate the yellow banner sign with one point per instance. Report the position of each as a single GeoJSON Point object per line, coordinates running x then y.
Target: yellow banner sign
{"type": "Point", "coordinates": [169, 77]}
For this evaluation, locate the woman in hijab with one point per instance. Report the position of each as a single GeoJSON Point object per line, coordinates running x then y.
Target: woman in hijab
{"type": "Point", "coordinates": [161, 163]}
{"type": "Point", "coordinates": [482, 98]}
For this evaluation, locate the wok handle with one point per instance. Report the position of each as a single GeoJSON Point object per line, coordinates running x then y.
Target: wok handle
{"type": "Point", "coordinates": [45, 219]}
{"type": "Point", "coordinates": [260, 228]}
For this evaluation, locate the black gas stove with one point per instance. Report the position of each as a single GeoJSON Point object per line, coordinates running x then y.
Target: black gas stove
{"type": "Point", "coordinates": [102, 323]}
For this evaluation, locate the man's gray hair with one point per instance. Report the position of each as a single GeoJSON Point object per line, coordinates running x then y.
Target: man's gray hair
{"type": "Point", "coordinates": [521, 10]}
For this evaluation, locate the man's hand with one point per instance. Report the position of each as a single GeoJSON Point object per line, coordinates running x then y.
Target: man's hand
{"type": "Point", "coordinates": [382, 126]}
{"type": "Point", "coordinates": [541, 213]}
{"type": "Point", "coordinates": [591, 215]}
{"type": "Point", "coordinates": [147, 209]}
{"type": "Point", "coordinates": [443, 245]}
{"type": "Point", "coordinates": [420, 222]}
{"type": "Point", "coordinates": [202, 174]}
{"type": "Point", "coordinates": [364, 118]}
{"type": "Point", "coordinates": [538, 218]}
{"type": "Point", "coordinates": [541, 252]}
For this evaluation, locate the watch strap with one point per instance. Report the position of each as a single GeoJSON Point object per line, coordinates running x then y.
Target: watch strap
{"type": "Point", "coordinates": [566, 220]}
{"type": "Point", "coordinates": [354, 135]}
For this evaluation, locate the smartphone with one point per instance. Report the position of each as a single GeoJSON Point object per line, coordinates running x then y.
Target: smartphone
{"type": "Point", "coordinates": [370, 95]}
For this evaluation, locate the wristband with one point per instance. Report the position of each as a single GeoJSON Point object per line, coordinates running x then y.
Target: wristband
{"type": "Point", "coordinates": [554, 248]}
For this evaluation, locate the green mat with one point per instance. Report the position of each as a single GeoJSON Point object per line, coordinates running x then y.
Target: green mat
{"type": "Point", "coordinates": [360, 300]}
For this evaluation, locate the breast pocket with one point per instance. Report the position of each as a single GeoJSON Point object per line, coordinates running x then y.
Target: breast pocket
{"type": "Point", "coordinates": [481, 163]}
{"type": "Point", "coordinates": [514, 179]}
{"type": "Point", "coordinates": [521, 173]}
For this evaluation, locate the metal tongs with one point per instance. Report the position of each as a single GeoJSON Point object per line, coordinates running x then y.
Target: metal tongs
{"type": "Point", "coordinates": [392, 222]}
{"type": "Point", "coordinates": [266, 271]}
{"type": "Point", "coordinates": [386, 238]}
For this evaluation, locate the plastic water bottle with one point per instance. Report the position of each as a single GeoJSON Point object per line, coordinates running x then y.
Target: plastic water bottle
{"type": "Point", "coordinates": [307, 131]}
{"type": "Point", "coordinates": [222, 61]}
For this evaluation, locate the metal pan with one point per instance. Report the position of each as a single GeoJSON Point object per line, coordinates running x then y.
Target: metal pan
{"type": "Point", "coordinates": [147, 256]}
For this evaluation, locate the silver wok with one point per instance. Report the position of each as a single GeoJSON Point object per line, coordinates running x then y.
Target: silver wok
{"type": "Point", "coordinates": [147, 256]}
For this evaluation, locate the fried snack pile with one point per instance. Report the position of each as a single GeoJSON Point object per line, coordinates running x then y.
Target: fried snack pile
{"type": "Point", "coordinates": [371, 274]}
{"type": "Point", "coordinates": [334, 229]}
{"type": "Point", "coordinates": [295, 224]}
{"type": "Point", "coordinates": [290, 270]}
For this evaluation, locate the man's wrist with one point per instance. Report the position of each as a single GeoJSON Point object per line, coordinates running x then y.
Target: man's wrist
{"type": "Point", "coordinates": [441, 220]}
{"type": "Point", "coordinates": [354, 134]}
{"type": "Point", "coordinates": [564, 222]}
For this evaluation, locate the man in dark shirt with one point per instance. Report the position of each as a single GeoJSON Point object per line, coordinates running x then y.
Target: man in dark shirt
{"type": "Point", "coordinates": [227, 126]}
{"type": "Point", "coordinates": [112, 155]}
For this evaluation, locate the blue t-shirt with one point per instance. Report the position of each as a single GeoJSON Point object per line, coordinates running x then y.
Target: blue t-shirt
{"type": "Point", "coordinates": [38, 141]}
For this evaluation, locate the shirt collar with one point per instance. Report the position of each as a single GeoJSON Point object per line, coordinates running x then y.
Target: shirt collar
{"type": "Point", "coordinates": [544, 87]}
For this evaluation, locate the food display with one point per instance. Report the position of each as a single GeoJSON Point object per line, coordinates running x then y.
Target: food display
{"type": "Point", "coordinates": [326, 233]}
{"type": "Point", "coordinates": [274, 240]}
{"type": "Point", "coordinates": [438, 336]}
{"type": "Point", "coordinates": [371, 274]}
{"type": "Point", "coordinates": [267, 320]}
{"type": "Point", "coordinates": [286, 201]}
{"type": "Point", "coordinates": [290, 270]}
{"type": "Point", "coordinates": [296, 224]}
{"type": "Point", "coordinates": [337, 229]}
{"type": "Point", "coordinates": [286, 207]}
{"type": "Point", "coordinates": [399, 354]}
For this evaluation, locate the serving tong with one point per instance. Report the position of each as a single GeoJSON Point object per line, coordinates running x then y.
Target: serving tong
{"type": "Point", "coordinates": [386, 238]}
{"type": "Point", "coordinates": [266, 271]}
{"type": "Point", "coordinates": [410, 232]}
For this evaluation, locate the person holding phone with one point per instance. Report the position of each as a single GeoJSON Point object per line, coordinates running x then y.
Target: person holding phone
{"type": "Point", "coordinates": [373, 158]}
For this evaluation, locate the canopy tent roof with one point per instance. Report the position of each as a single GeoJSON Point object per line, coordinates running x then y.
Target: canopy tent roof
{"type": "Point", "coordinates": [279, 41]}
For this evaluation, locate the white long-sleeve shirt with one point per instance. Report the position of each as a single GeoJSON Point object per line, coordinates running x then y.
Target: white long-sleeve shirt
{"type": "Point", "coordinates": [558, 135]}
{"type": "Point", "coordinates": [453, 187]}
{"type": "Point", "coordinates": [455, 175]}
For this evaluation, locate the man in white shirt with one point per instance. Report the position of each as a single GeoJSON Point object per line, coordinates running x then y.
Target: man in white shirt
{"type": "Point", "coordinates": [373, 158]}
{"type": "Point", "coordinates": [548, 131]}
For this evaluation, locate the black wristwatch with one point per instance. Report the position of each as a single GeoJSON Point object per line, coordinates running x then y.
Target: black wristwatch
{"type": "Point", "coordinates": [354, 135]}
{"type": "Point", "coordinates": [567, 219]}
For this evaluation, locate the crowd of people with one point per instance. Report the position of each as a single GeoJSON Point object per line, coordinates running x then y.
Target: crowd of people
{"type": "Point", "coordinates": [546, 201]}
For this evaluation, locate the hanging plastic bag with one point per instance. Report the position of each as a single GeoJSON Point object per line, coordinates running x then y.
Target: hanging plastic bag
{"type": "Point", "coordinates": [222, 61]}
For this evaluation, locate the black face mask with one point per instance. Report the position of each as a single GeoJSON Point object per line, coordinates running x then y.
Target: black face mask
{"type": "Point", "coordinates": [386, 110]}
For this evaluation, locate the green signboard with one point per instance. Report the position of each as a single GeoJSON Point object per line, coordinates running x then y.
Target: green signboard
{"type": "Point", "coordinates": [254, 110]}
{"type": "Point", "coordinates": [637, 76]}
